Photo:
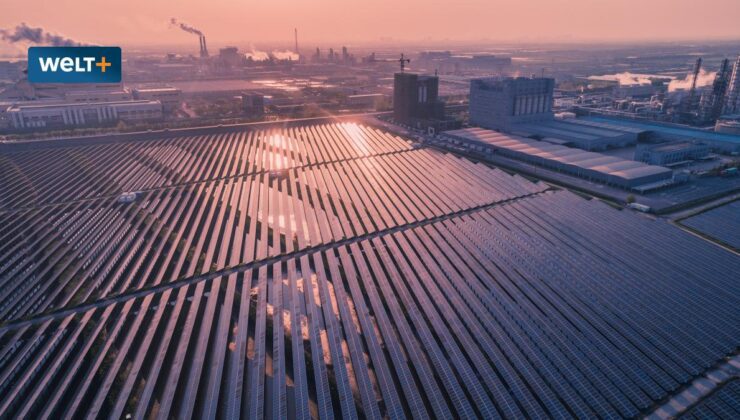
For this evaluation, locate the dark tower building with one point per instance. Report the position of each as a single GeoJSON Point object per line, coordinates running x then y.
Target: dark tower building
{"type": "Point", "coordinates": [415, 97]}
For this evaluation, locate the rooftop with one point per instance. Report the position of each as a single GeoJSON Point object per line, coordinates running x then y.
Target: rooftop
{"type": "Point", "coordinates": [671, 130]}
{"type": "Point", "coordinates": [611, 165]}
{"type": "Point", "coordinates": [576, 130]}
{"type": "Point", "coordinates": [19, 106]}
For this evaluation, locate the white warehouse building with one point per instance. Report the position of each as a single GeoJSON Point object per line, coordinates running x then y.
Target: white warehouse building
{"type": "Point", "coordinates": [42, 115]}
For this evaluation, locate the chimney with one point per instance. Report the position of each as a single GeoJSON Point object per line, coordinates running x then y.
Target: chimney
{"type": "Point", "coordinates": [296, 40]}
{"type": "Point", "coordinates": [204, 52]}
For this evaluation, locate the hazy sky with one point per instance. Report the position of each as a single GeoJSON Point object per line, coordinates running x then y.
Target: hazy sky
{"type": "Point", "coordinates": [133, 22]}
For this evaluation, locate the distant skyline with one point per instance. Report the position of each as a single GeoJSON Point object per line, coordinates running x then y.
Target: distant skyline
{"type": "Point", "coordinates": [146, 22]}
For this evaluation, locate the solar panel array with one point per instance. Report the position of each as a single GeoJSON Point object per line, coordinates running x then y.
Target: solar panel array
{"type": "Point", "coordinates": [383, 281]}
{"type": "Point", "coordinates": [723, 403]}
{"type": "Point", "coordinates": [721, 223]}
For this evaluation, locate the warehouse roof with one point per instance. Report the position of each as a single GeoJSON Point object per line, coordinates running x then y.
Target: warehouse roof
{"type": "Point", "coordinates": [608, 165]}
{"type": "Point", "coordinates": [575, 130]}
{"type": "Point", "coordinates": [668, 130]}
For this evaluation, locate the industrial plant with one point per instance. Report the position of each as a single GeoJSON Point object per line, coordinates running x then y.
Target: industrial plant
{"type": "Point", "coordinates": [306, 229]}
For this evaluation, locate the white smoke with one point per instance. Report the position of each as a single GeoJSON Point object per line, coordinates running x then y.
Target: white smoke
{"type": "Point", "coordinates": [704, 78]}
{"type": "Point", "coordinates": [257, 55]}
{"type": "Point", "coordinates": [285, 55]}
{"type": "Point", "coordinates": [626, 78]}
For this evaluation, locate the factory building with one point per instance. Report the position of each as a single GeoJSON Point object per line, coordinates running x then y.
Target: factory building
{"type": "Point", "coordinates": [11, 71]}
{"type": "Point", "coordinates": [592, 166]}
{"type": "Point", "coordinates": [253, 104]}
{"type": "Point", "coordinates": [169, 97]}
{"type": "Point", "coordinates": [721, 140]}
{"type": "Point", "coordinates": [579, 133]}
{"type": "Point", "coordinates": [523, 107]}
{"type": "Point", "coordinates": [86, 96]}
{"type": "Point", "coordinates": [51, 115]}
{"type": "Point", "coordinates": [635, 91]}
{"type": "Point", "coordinates": [230, 57]}
{"type": "Point", "coordinates": [667, 154]}
{"type": "Point", "coordinates": [728, 124]}
{"type": "Point", "coordinates": [499, 104]}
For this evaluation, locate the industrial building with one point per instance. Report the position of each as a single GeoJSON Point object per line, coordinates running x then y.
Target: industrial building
{"type": "Point", "coordinates": [728, 124]}
{"type": "Point", "coordinates": [371, 278]}
{"type": "Point", "coordinates": [99, 95]}
{"type": "Point", "coordinates": [523, 106]}
{"type": "Point", "coordinates": [592, 166]}
{"type": "Point", "coordinates": [169, 97]}
{"type": "Point", "coordinates": [671, 153]}
{"type": "Point", "coordinates": [635, 91]}
{"type": "Point", "coordinates": [501, 103]}
{"type": "Point", "coordinates": [253, 104]}
{"type": "Point", "coordinates": [584, 134]}
{"type": "Point", "coordinates": [26, 115]}
{"type": "Point", "coordinates": [720, 141]}
{"type": "Point", "coordinates": [230, 57]}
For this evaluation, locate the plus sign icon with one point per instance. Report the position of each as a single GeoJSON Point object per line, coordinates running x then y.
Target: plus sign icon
{"type": "Point", "coordinates": [74, 64]}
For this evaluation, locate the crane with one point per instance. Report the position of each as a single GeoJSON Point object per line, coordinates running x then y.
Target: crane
{"type": "Point", "coordinates": [403, 62]}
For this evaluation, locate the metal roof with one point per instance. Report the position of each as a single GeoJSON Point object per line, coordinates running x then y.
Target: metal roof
{"type": "Point", "coordinates": [608, 165]}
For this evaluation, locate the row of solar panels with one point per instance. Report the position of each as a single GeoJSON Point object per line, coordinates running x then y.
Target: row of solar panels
{"type": "Point", "coordinates": [545, 306]}
{"type": "Point", "coordinates": [70, 253]}
{"type": "Point", "coordinates": [721, 404]}
{"type": "Point", "coordinates": [64, 174]}
{"type": "Point", "coordinates": [721, 223]}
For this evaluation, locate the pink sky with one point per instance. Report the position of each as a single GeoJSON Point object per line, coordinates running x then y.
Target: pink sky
{"type": "Point", "coordinates": [137, 22]}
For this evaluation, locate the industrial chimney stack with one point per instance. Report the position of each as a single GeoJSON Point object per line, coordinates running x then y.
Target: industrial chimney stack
{"type": "Point", "coordinates": [296, 41]}
{"type": "Point", "coordinates": [203, 48]}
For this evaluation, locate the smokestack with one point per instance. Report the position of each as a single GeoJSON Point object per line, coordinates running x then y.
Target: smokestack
{"type": "Point", "coordinates": [204, 52]}
{"type": "Point", "coordinates": [192, 30]}
{"type": "Point", "coordinates": [296, 40]}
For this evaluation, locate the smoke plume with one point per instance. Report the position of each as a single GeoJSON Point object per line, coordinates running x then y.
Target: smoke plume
{"type": "Point", "coordinates": [257, 55]}
{"type": "Point", "coordinates": [25, 33]}
{"type": "Point", "coordinates": [185, 27]}
{"type": "Point", "coordinates": [285, 55]}
{"type": "Point", "coordinates": [626, 78]}
{"type": "Point", "coordinates": [705, 78]}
